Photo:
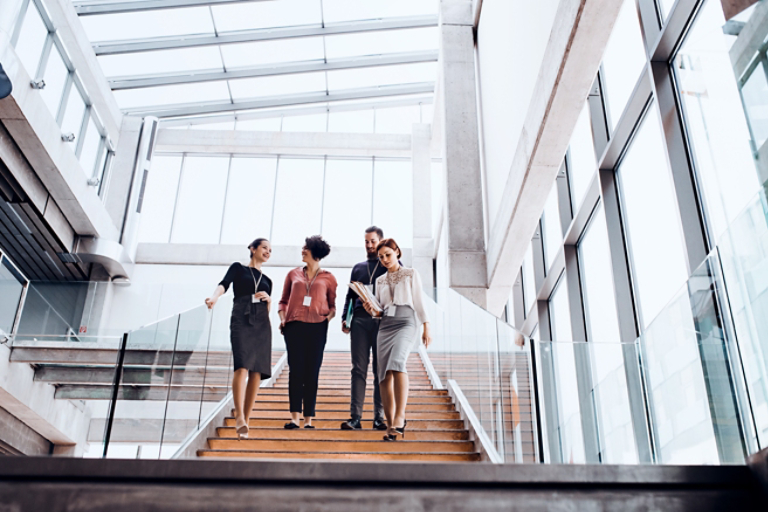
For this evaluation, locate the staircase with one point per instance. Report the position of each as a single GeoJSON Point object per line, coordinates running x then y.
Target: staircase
{"type": "Point", "coordinates": [435, 431]}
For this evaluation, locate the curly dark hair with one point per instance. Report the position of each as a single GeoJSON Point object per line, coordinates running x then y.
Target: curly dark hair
{"type": "Point", "coordinates": [318, 247]}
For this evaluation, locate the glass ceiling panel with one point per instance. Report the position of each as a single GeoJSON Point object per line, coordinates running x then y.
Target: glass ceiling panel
{"type": "Point", "coordinates": [347, 10]}
{"type": "Point", "coordinates": [360, 121]}
{"type": "Point", "coordinates": [375, 43]}
{"type": "Point", "coordinates": [270, 52]}
{"type": "Point", "coordinates": [172, 95]}
{"type": "Point", "coordinates": [137, 25]}
{"type": "Point", "coordinates": [166, 61]}
{"type": "Point", "coordinates": [386, 75]}
{"type": "Point", "coordinates": [247, 88]}
{"type": "Point", "coordinates": [285, 13]}
{"type": "Point", "coordinates": [397, 120]}
{"type": "Point", "coordinates": [313, 123]}
{"type": "Point", "coordinates": [271, 124]}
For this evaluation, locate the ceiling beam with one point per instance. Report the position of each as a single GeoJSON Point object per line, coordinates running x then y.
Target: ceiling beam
{"type": "Point", "coordinates": [88, 8]}
{"type": "Point", "coordinates": [263, 34]}
{"type": "Point", "coordinates": [284, 68]}
{"type": "Point", "coordinates": [199, 108]}
{"type": "Point", "coordinates": [408, 101]}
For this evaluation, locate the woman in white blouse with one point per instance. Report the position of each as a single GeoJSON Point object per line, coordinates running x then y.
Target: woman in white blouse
{"type": "Point", "coordinates": [400, 295]}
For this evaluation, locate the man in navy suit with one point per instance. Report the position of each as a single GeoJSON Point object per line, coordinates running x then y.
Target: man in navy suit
{"type": "Point", "coordinates": [5, 84]}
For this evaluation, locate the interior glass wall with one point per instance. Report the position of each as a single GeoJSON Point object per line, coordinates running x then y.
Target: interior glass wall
{"type": "Point", "coordinates": [12, 284]}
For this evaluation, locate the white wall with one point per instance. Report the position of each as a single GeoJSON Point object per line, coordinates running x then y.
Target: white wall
{"type": "Point", "coordinates": [511, 39]}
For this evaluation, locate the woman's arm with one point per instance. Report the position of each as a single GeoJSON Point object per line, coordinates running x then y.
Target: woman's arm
{"type": "Point", "coordinates": [218, 292]}
{"type": "Point", "coordinates": [284, 299]}
{"type": "Point", "coordinates": [330, 296]}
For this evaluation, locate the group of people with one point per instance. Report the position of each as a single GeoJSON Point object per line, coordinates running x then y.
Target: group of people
{"type": "Point", "coordinates": [387, 329]}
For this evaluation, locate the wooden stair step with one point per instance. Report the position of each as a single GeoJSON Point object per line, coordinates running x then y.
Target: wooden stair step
{"type": "Point", "coordinates": [367, 423]}
{"type": "Point", "coordinates": [343, 415]}
{"type": "Point", "coordinates": [340, 446]}
{"type": "Point", "coordinates": [346, 392]}
{"type": "Point", "coordinates": [338, 434]}
{"type": "Point", "coordinates": [335, 406]}
{"type": "Point", "coordinates": [283, 398]}
{"type": "Point", "coordinates": [421, 457]}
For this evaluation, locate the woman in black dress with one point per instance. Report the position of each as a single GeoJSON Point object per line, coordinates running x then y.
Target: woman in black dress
{"type": "Point", "coordinates": [250, 330]}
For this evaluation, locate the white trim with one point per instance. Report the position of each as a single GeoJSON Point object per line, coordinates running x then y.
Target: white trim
{"type": "Point", "coordinates": [482, 441]}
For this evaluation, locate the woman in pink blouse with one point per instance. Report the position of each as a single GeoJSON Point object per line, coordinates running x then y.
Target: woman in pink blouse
{"type": "Point", "coordinates": [307, 305]}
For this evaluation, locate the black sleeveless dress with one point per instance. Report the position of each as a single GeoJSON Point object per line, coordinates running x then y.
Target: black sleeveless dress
{"type": "Point", "coordinates": [250, 329]}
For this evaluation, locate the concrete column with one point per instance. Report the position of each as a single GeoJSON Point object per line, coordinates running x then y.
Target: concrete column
{"type": "Point", "coordinates": [9, 12]}
{"type": "Point", "coordinates": [461, 152]}
{"type": "Point", "coordinates": [423, 239]}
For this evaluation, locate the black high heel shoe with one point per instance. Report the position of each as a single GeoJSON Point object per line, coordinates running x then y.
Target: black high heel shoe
{"type": "Point", "coordinates": [401, 430]}
{"type": "Point", "coordinates": [390, 437]}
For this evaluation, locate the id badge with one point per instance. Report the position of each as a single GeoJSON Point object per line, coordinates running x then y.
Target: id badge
{"type": "Point", "coordinates": [369, 287]}
{"type": "Point", "coordinates": [307, 300]}
{"type": "Point", "coordinates": [254, 300]}
{"type": "Point", "coordinates": [391, 310]}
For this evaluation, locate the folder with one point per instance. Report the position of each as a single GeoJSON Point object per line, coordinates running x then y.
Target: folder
{"type": "Point", "coordinates": [365, 295]}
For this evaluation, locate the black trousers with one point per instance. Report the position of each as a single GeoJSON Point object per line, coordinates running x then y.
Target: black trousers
{"type": "Point", "coordinates": [305, 344]}
{"type": "Point", "coordinates": [362, 343]}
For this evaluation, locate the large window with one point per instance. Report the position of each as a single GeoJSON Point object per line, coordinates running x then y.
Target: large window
{"type": "Point", "coordinates": [552, 227]}
{"type": "Point", "coordinates": [249, 200]}
{"type": "Point", "coordinates": [197, 219]}
{"type": "Point", "coordinates": [347, 205]}
{"type": "Point", "coordinates": [564, 362]}
{"type": "Point", "coordinates": [716, 125]}
{"type": "Point", "coordinates": [623, 61]}
{"type": "Point", "coordinates": [582, 163]}
{"type": "Point", "coordinates": [617, 443]}
{"type": "Point", "coordinates": [652, 221]}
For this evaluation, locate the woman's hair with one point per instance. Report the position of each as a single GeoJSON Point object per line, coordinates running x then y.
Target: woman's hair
{"type": "Point", "coordinates": [390, 242]}
{"type": "Point", "coordinates": [256, 243]}
{"type": "Point", "coordinates": [318, 247]}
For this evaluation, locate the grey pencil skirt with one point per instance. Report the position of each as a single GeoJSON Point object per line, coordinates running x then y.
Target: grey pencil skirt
{"type": "Point", "coordinates": [395, 340]}
{"type": "Point", "coordinates": [251, 336]}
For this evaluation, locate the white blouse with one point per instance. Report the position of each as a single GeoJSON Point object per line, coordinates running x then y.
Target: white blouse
{"type": "Point", "coordinates": [406, 285]}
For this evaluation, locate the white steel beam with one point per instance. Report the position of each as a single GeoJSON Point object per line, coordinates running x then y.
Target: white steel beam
{"type": "Point", "coordinates": [199, 108]}
{"type": "Point", "coordinates": [255, 143]}
{"type": "Point", "coordinates": [408, 101]}
{"type": "Point", "coordinates": [286, 68]}
{"type": "Point", "coordinates": [91, 7]}
{"type": "Point", "coordinates": [263, 34]}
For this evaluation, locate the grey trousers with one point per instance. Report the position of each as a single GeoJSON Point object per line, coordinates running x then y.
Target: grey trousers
{"type": "Point", "coordinates": [363, 341]}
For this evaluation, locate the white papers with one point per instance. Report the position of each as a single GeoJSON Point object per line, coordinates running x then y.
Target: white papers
{"type": "Point", "coordinates": [365, 295]}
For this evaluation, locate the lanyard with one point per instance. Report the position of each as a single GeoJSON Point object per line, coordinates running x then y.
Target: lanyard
{"type": "Point", "coordinates": [255, 284]}
{"type": "Point", "coordinates": [307, 283]}
{"type": "Point", "coordinates": [371, 274]}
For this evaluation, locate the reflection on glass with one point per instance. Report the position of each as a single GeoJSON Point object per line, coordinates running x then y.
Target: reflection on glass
{"type": "Point", "coordinates": [677, 391]}
{"type": "Point", "coordinates": [159, 199]}
{"type": "Point", "coordinates": [715, 121]}
{"type": "Point", "coordinates": [248, 208]}
{"type": "Point", "coordinates": [197, 219]}
{"type": "Point", "coordinates": [553, 231]}
{"type": "Point", "coordinates": [11, 288]}
{"type": "Point", "coordinates": [623, 61]}
{"type": "Point", "coordinates": [654, 233]}
{"type": "Point", "coordinates": [744, 256]}
{"type": "Point", "coordinates": [29, 47]}
{"type": "Point", "coordinates": [582, 163]}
